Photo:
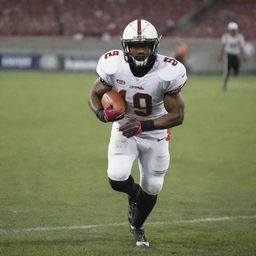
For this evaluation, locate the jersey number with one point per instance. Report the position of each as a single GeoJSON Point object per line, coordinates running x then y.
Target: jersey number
{"type": "Point", "coordinates": [171, 61]}
{"type": "Point", "coordinates": [110, 54]}
{"type": "Point", "coordinates": [142, 102]}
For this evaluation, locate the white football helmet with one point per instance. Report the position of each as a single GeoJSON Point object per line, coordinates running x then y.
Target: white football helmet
{"type": "Point", "coordinates": [143, 33]}
{"type": "Point", "coordinates": [232, 26]}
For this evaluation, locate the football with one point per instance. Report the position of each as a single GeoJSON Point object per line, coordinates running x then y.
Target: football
{"type": "Point", "coordinates": [113, 98]}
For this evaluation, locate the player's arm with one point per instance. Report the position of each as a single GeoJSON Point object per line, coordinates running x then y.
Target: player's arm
{"type": "Point", "coordinates": [174, 105]}
{"type": "Point", "coordinates": [242, 50]}
{"type": "Point", "coordinates": [221, 54]}
{"type": "Point", "coordinates": [107, 114]}
{"type": "Point", "coordinates": [222, 47]}
{"type": "Point", "coordinates": [242, 53]}
{"type": "Point", "coordinates": [94, 100]}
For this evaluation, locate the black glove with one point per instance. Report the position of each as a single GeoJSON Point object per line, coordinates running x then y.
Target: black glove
{"type": "Point", "coordinates": [100, 115]}
{"type": "Point", "coordinates": [131, 128]}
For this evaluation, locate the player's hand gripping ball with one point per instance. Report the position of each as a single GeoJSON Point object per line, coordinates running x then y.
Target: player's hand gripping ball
{"type": "Point", "coordinates": [114, 106]}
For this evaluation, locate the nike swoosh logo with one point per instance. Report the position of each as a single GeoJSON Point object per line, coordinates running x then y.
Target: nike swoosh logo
{"type": "Point", "coordinates": [161, 139]}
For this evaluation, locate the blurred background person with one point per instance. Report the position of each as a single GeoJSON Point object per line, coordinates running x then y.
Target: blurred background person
{"type": "Point", "coordinates": [181, 52]}
{"type": "Point", "coordinates": [232, 48]}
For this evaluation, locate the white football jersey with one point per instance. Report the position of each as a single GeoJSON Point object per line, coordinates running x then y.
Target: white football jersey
{"type": "Point", "coordinates": [143, 95]}
{"type": "Point", "coordinates": [233, 43]}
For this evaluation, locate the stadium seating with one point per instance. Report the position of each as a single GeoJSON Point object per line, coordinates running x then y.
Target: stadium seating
{"type": "Point", "coordinates": [107, 18]}
{"type": "Point", "coordinates": [90, 18]}
{"type": "Point", "coordinates": [214, 22]}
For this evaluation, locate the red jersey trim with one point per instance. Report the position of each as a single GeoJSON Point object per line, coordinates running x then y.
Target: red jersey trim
{"type": "Point", "coordinates": [177, 90]}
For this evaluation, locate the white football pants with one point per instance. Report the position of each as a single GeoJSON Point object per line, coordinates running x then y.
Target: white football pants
{"type": "Point", "coordinates": [153, 157]}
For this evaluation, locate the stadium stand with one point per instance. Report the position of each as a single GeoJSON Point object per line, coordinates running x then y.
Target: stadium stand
{"type": "Point", "coordinates": [47, 30]}
{"type": "Point", "coordinates": [26, 17]}
{"type": "Point", "coordinates": [90, 18]}
{"type": "Point", "coordinates": [107, 18]}
{"type": "Point", "coordinates": [212, 22]}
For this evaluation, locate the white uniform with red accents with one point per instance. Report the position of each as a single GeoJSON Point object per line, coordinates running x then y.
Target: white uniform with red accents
{"type": "Point", "coordinates": [143, 95]}
{"type": "Point", "coordinates": [144, 99]}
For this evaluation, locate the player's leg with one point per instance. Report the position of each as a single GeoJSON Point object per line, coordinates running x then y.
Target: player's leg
{"type": "Point", "coordinates": [121, 154]}
{"type": "Point", "coordinates": [226, 71]}
{"type": "Point", "coordinates": [153, 162]}
{"type": "Point", "coordinates": [236, 65]}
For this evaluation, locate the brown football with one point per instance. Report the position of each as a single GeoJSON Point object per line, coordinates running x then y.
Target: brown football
{"type": "Point", "coordinates": [115, 99]}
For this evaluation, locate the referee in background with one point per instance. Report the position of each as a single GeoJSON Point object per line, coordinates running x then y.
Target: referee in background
{"type": "Point", "coordinates": [232, 48]}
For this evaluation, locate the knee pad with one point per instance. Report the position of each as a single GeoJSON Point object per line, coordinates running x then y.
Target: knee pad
{"type": "Point", "coordinates": [118, 176]}
{"type": "Point", "coordinates": [153, 185]}
{"type": "Point", "coordinates": [119, 167]}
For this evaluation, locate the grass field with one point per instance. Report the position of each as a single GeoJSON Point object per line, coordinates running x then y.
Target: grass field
{"type": "Point", "coordinates": [54, 194]}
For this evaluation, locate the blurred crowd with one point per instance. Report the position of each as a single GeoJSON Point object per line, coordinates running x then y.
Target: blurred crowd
{"type": "Point", "coordinates": [214, 22]}
{"type": "Point", "coordinates": [107, 18]}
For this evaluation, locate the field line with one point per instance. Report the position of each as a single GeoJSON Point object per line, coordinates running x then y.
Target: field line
{"type": "Point", "coordinates": [46, 229]}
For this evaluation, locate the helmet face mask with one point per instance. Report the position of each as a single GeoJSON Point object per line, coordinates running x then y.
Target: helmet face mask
{"type": "Point", "coordinates": [140, 42]}
{"type": "Point", "coordinates": [139, 52]}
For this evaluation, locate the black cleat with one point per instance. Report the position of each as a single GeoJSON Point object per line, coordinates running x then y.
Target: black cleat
{"type": "Point", "coordinates": [139, 236]}
{"type": "Point", "coordinates": [131, 209]}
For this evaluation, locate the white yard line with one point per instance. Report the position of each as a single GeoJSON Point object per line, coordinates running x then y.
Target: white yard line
{"type": "Point", "coordinates": [46, 229]}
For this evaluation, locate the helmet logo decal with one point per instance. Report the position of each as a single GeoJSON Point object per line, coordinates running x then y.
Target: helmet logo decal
{"type": "Point", "coordinates": [139, 27]}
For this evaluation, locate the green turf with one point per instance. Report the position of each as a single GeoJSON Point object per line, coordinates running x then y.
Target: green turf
{"type": "Point", "coordinates": [53, 172]}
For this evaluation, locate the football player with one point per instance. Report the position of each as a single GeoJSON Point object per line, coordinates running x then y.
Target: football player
{"type": "Point", "coordinates": [150, 83]}
{"type": "Point", "coordinates": [232, 47]}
